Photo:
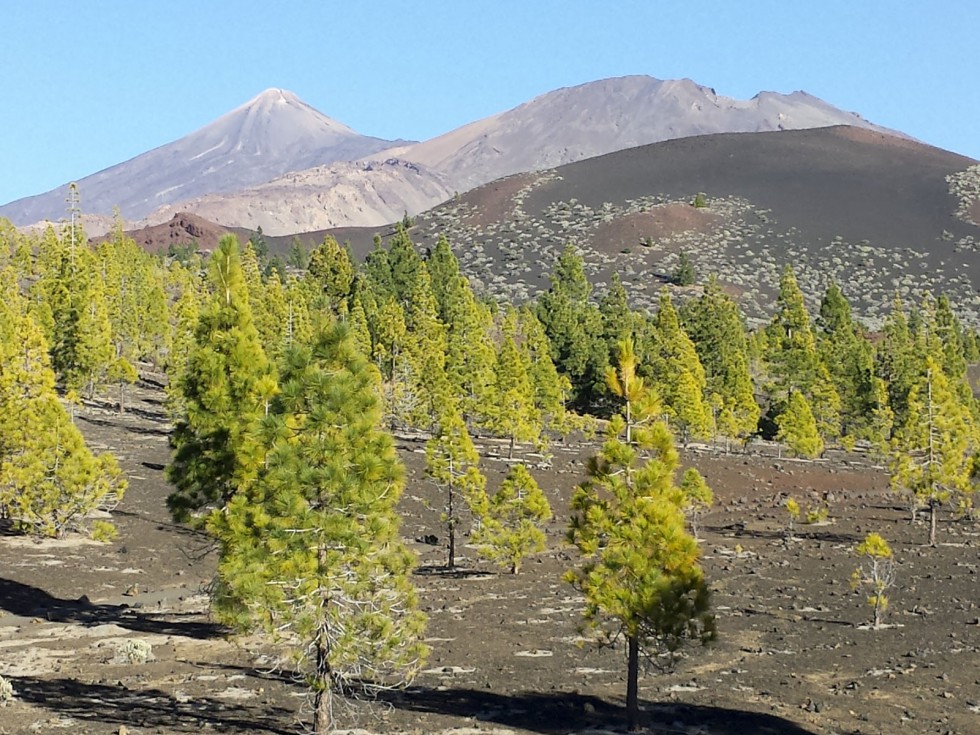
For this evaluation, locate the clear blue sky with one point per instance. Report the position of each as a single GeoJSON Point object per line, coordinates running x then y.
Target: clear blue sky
{"type": "Point", "coordinates": [90, 84]}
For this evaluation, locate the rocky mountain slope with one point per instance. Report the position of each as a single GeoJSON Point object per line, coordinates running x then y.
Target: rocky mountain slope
{"type": "Point", "coordinates": [575, 123]}
{"type": "Point", "coordinates": [272, 134]}
{"type": "Point", "coordinates": [874, 212]}
{"type": "Point", "coordinates": [345, 194]}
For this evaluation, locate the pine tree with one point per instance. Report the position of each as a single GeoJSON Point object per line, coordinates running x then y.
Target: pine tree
{"type": "Point", "coordinates": [849, 358]}
{"type": "Point", "coordinates": [574, 327]}
{"type": "Point", "coordinates": [717, 330]}
{"type": "Point", "coordinates": [226, 387]}
{"type": "Point", "coordinates": [515, 415]}
{"type": "Point", "coordinates": [551, 390]}
{"type": "Point", "coordinates": [510, 522]}
{"type": "Point", "coordinates": [680, 378]}
{"type": "Point", "coordinates": [639, 571]}
{"type": "Point", "coordinates": [876, 573]}
{"type": "Point", "coordinates": [898, 361]}
{"type": "Point", "coordinates": [932, 452]}
{"type": "Point", "coordinates": [49, 479]}
{"type": "Point", "coordinates": [452, 463]}
{"type": "Point", "coordinates": [331, 271]}
{"type": "Point", "coordinates": [310, 551]}
{"type": "Point", "coordinates": [698, 498]}
{"type": "Point", "coordinates": [798, 428]}
{"type": "Point", "coordinates": [794, 363]}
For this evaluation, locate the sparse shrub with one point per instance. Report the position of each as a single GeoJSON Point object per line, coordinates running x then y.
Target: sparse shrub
{"type": "Point", "coordinates": [700, 202]}
{"type": "Point", "coordinates": [684, 274]}
{"type": "Point", "coordinates": [876, 573]}
{"type": "Point", "coordinates": [816, 514]}
{"type": "Point", "coordinates": [6, 692]}
{"type": "Point", "coordinates": [793, 511]}
{"type": "Point", "coordinates": [135, 651]}
{"type": "Point", "coordinates": [104, 532]}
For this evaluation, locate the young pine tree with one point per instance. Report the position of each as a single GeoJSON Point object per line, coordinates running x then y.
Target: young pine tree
{"type": "Point", "coordinates": [876, 573]}
{"type": "Point", "coordinates": [49, 479]}
{"type": "Point", "coordinates": [225, 389]}
{"type": "Point", "coordinates": [798, 429]}
{"type": "Point", "coordinates": [510, 520]}
{"type": "Point", "coordinates": [639, 570]}
{"type": "Point", "coordinates": [452, 463]}
{"type": "Point", "coordinates": [310, 551]}
{"type": "Point", "coordinates": [932, 454]}
{"type": "Point", "coordinates": [698, 498]}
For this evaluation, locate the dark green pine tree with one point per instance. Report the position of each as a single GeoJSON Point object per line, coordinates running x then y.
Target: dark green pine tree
{"type": "Point", "coordinates": [226, 386]}
{"type": "Point", "coordinates": [849, 356]}
{"type": "Point", "coordinates": [310, 552]}
{"type": "Point", "coordinates": [574, 328]}
{"type": "Point", "coordinates": [899, 361]}
{"type": "Point", "coordinates": [717, 328]}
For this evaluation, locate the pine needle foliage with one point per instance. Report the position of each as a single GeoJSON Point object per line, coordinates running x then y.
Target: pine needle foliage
{"type": "Point", "coordinates": [510, 522]}
{"type": "Point", "coordinates": [310, 551]}
{"type": "Point", "coordinates": [639, 571]}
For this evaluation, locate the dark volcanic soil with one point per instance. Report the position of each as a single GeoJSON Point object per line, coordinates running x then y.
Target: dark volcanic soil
{"type": "Point", "coordinates": [793, 653]}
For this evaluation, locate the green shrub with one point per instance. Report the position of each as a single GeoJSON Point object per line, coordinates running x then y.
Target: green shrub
{"type": "Point", "coordinates": [104, 532]}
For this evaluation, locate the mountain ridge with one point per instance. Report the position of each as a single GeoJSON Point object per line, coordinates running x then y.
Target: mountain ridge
{"type": "Point", "coordinates": [275, 133]}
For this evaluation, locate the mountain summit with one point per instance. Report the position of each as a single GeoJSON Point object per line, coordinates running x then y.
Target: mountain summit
{"type": "Point", "coordinates": [574, 123]}
{"type": "Point", "coordinates": [272, 134]}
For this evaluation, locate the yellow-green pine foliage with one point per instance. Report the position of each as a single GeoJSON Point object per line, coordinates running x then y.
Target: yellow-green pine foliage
{"type": "Point", "coordinates": [136, 298]}
{"type": "Point", "coordinates": [876, 573]}
{"type": "Point", "coordinates": [184, 315]}
{"type": "Point", "coordinates": [49, 480]}
{"type": "Point", "coordinates": [515, 415]}
{"type": "Point", "coordinates": [551, 389]}
{"type": "Point", "coordinates": [639, 569]}
{"type": "Point", "coordinates": [932, 453]}
{"type": "Point", "coordinates": [798, 429]}
{"type": "Point", "coordinates": [794, 363]}
{"type": "Point", "coordinates": [425, 351]}
{"type": "Point", "coordinates": [470, 353]}
{"type": "Point", "coordinates": [681, 379]}
{"type": "Point", "coordinates": [310, 552]}
{"type": "Point", "coordinates": [330, 273]}
{"type": "Point", "coordinates": [717, 329]}
{"type": "Point", "coordinates": [226, 387]}
{"type": "Point", "coordinates": [272, 328]}
{"type": "Point", "coordinates": [452, 464]}
{"type": "Point", "coordinates": [510, 529]}
{"type": "Point", "coordinates": [698, 498]}
{"type": "Point", "coordinates": [357, 319]}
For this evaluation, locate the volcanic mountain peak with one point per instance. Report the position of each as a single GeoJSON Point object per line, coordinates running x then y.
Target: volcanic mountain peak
{"type": "Point", "coordinates": [270, 135]}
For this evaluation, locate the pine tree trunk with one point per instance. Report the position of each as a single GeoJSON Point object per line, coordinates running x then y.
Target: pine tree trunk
{"type": "Point", "coordinates": [632, 684]}
{"type": "Point", "coordinates": [451, 565]}
{"type": "Point", "coordinates": [933, 521]}
{"type": "Point", "coordinates": [322, 719]}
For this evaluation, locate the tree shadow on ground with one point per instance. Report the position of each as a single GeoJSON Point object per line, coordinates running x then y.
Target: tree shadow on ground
{"type": "Point", "coordinates": [147, 708]}
{"type": "Point", "coordinates": [557, 713]}
{"type": "Point", "coordinates": [25, 600]}
{"type": "Point", "coordinates": [142, 430]}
